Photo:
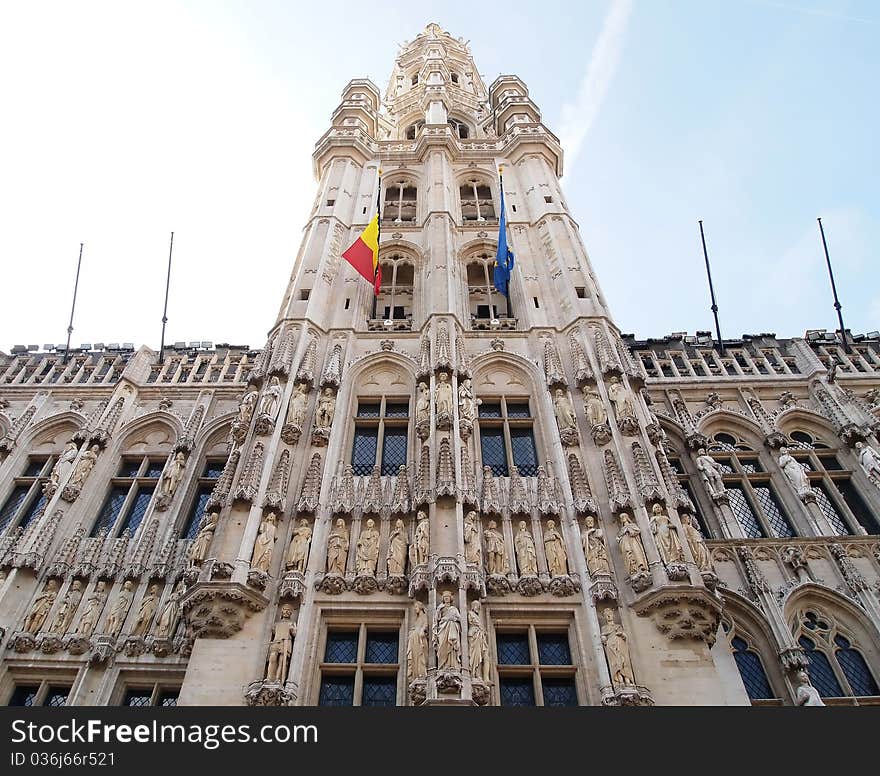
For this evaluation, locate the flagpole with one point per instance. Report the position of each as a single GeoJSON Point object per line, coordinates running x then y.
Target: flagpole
{"type": "Point", "coordinates": [73, 306]}
{"type": "Point", "coordinates": [165, 310]}
{"type": "Point", "coordinates": [837, 305]}
{"type": "Point", "coordinates": [714, 307]}
{"type": "Point", "coordinates": [501, 187]}
{"type": "Point", "coordinates": [378, 237]}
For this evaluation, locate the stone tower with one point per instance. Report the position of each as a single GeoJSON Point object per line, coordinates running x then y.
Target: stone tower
{"type": "Point", "coordinates": [441, 496]}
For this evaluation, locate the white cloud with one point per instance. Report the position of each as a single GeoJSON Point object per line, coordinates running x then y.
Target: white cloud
{"type": "Point", "coordinates": [578, 116]}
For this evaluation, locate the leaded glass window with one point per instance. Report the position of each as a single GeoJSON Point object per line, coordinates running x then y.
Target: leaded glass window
{"type": "Point", "coordinates": [26, 500]}
{"type": "Point", "coordinates": [832, 515]}
{"type": "Point", "coordinates": [360, 667]}
{"type": "Point", "coordinates": [111, 509]}
{"type": "Point", "coordinates": [513, 649]}
{"type": "Point", "coordinates": [772, 511]}
{"type": "Point", "coordinates": [379, 691]}
{"type": "Point", "coordinates": [24, 695]}
{"type": "Point", "coordinates": [559, 691]}
{"type": "Point", "coordinates": [553, 649]}
{"type": "Point", "coordinates": [394, 449]}
{"type": "Point", "coordinates": [751, 670]}
{"type": "Point", "coordinates": [130, 494]}
{"type": "Point", "coordinates": [381, 425]}
{"type": "Point", "coordinates": [363, 453]}
{"type": "Point", "coordinates": [337, 691]}
{"type": "Point", "coordinates": [381, 647]}
{"type": "Point", "coordinates": [493, 450]}
{"type": "Point", "coordinates": [517, 691]}
{"type": "Point", "coordinates": [154, 695]}
{"type": "Point", "coordinates": [341, 647]}
{"type": "Point", "coordinates": [855, 669]}
{"type": "Point", "coordinates": [57, 696]}
{"type": "Point", "coordinates": [525, 455]}
{"type": "Point", "coordinates": [12, 504]}
{"type": "Point", "coordinates": [821, 673]}
{"type": "Point", "coordinates": [535, 667]}
{"type": "Point", "coordinates": [744, 514]}
{"type": "Point", "coordinates": [137, 698]}
{"type": "Point", "coordinates": [507, 438]}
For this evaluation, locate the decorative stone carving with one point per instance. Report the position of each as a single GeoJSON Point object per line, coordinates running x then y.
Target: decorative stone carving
{"type": "Point", "coordinates": [81, 471]}
{"type": "Point", "coordinates": [597, 417]}
{"type": "Point", "coordinates": [467, 408]}
{"type": "Point", "coordinates": [630, 543]}
{"type": "Point", "coordinates": [261, 558]}
{"type": "Point", "coordinates": [565, 418]}
{"type": "Point", "coordinates": [423, 411]}
{"type": "Point", "coordinates": [170, 614]}
{"type": "Point", "coordinates": [201, 545]}
{"type": "Point", "coordinates": [518, 499]}
{"type": "Point", "coordinates": [666, 537]}
{"type": "Point", "coordinates": [417, 644]}
{"type": "Point", "coordinates": [526, 555]}
{"type": "Point", "coordinates": [478, 645]}
{"type": "Point", "coordinates": [554, 549]}
{"type": "Point", "coordinates": [311, 487]}
{"type": "Point", "coordinates": [617, 651]}
{"type": "Point", "coordinates": [69, 604]}
{"type": "Point", "coordinates": [281, 647]}
{"type": "Point", "coordinates": [337, 548]}
{"type": "Point", "coordinates": [249, 481]}
{"type": "Point", "coordinates": [298, 550]}
{"type": "Point", "coordinates": [794, 473]}
{"type": "Point", "coordinates": [617, 490]}
{"type": "Point", "coordinates": [171, 478]}
{"type": "Point", "coordinates": [145, 613]}
{"type": "Point", "coordinates": [62, 468]}
{"type": "Point", "coordinates": [472, 551]}
{"type": "Point", "coordinates": [580, 488]}
{"type": "Point", "coordinates": [490, 500]}
{"type": "Point", "coordinates": [92, 611]}
{"type": "Point", "coordinates": [870, 461]}
{"type": "Point", "coordinates": [443, 401]}
{"type": "Point", "coordinates": [219, 609]}
{"type": "Point", "coordinates": [697, 544]}
{"type": "Point", "coordinates": [276, 492]}
{"type": "Point", "coordinates": [447, 634]}
{"type": "Point", "coordinates": [332, 374]}
{"type": "Point", "coordinates": [367, 550]}
{"type": "Point", "coordinates": [418, 551]}
{"type": "Point", "coordinates": [624, 409]}
{"type": "Point", "coordinates": [397, 550]}
{"type": "Point", "coordinates": [246, 408]}
{"type": "Point", "coordinates": [306, 372]}
{"type": "Point", "coordinates": [324, 416]}
{"type": "Point", "coordinates": [712, 472]}
{"type": "Point", "coordinates": [119, 610]}
{"type": "Point", "coordinates": [805, 693]}
{"type": "Point", "coordinates": [682, 612]}
{"type": "Point", "coordinates": [40, 608]}
{"type": "Point", "coordinates": [424, 359]}
{"type": "Point", "coordinates": [296, 414]}
{"type": "Point", "coordinates": [851, 575]}
{"type": "Point", "coordinates": [496, 555]}
{"type": "Point", "coordinates": [579, 362]}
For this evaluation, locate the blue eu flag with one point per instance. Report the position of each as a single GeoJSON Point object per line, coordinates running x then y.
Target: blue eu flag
{"type": "Point", "coordinates": [504, 258]}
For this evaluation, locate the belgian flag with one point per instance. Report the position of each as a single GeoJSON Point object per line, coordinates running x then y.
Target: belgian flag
{"type": "Point", "coordinates": [363, 254]}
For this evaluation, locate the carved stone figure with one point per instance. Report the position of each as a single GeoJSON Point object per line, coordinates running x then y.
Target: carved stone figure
{"type": "Point", "coordinates": [805, 693]}
{"type": "Point", "coordinates": [69, 605]}
{"type": "Point", "coordinates": [397, 547]}
{"type": "Point", "coordinates": [420, 546]}
{"type": "Point", "coordinates": [170, 613]}
{"type": "Point", "coordinates": [617, 651]}
{"type": "Point", "coordinates": [594, 408]}
{"type": "Point", "coordinates": [631, 547]}
{"type": "Point", "coordinates": [337, 548]}
{"type": "Point", "coordinates": [793, 471]}
{"type": "Point", "coordinates": [145, 612]}
{"type": "Point", "coordinates": [119, 610]}
{"type": "Point", "coordinates": [712, 472]}
{"type": "Point", "coordinates": [271, 399]}
{"type": "Point", "coordinates": [423, 404]}
{"type": "Point", "coordinates": [471, 539]}
{"type": "Point", "coordinates": [172, 475]}
{"type": "Point", "coordinates": [296, 410]}
{"type": "Point", "coordinates": [198, 550]}
{"type": "Point", "coordinates": [869, 461]}
{"type": "Point", "coordinates": [367, 549]}
{"type": "Point", "coordinates": [696, 542]}
{"type": "Point", "coordinates": [554, 549]}
{"type": "Point", "coordinates": [443, 396]}
{"type": "Point", "coordinates": [665, 536]}
{"type": "Point", "coordinates": [565, 417]}
{"type": "Point", "coordinates": [447, 634]}
{"type": "Point", "coordinates": [595, 551]}
{"type": "Point", "coordinates": [495, 554]}
{"type": "Point", "coordinates": [298, 551]}
{"type": "Point", "coordinates": [261, 558]}
{"type": "Point", "coordinates": [63, 465]}
{"type": "Point", "coordinates": [40, 608]}
{"type": "Point", "coordinates": [622, 401]}
{"type": "Point", "coordinates": [526, 556]}
{"type": "Point", "coordinates": [246, 407]}
{"type": "Point", "coordinates": [417, 644]}
{"type": "Point", "coordinates": [92, 611]}
{"type": "Point", "coordinates": [478, 644]}
{"type": "Point", "coordinates": [467, 402]}
{"type": "Point", "coordinates": [326, 409]}
{"type": "Point", "coordinates": [281, 647]}
{"type": "Point", "coordinates": [84, 466]}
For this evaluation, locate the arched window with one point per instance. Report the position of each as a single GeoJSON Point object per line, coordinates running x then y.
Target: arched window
{"type": "Point", "coordinates": [413, 129]}
{"type": "Point", "coordinates": [751, 669]}
{"type": "Point", "coordinates": [27, 499]}
{"type": "Point", "coordinates": [476, 200]}
{"type": "Point", "coordinates": [460, 128]}
{"type": "Point", "coordinates": [837, 667]}
{"type": "Point", "coordinates": [400, 202]}
{"type": "Point", "coordinates": [395, 302]}
{"type": "Point", "coordinates": [482, 298]}
{"type": "Point", "coordinates": [453, 77]}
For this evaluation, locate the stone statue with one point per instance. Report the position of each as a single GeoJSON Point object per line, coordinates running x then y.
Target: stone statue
{"type": "Point", "coordinates": [91, 613]}
{"type": "Point", "coordinates": [565, 417]}
{"type": "Point", "coordinates": [198, 550]}
{"type": "Point", "coordinates": [419, 549]}
{"type": "Point", "coordinates": [712, 472]}
{"type": "Point", "coordinates": [246, 406]}
{"type": "Point", "coordinates": [84, 467]}
{"type": "Point", "coordinates": [478, 644]}
{"type": "Point", "coordinates": [119, 610]}
{"type": "Point", "coordinates": [170, 613]}
{"type": "Point", "coordinates": [620, 398]}
{"type": "Point", "coordinates": [417, 644]}
{"type": "Point", "coordinates": [554, 549]}
{"type": "Point", "coordinates": [447, 634]}
{"type": "Point", "coordinates": [665, 536]}
{"type": "Point", "coordinates": [146, 612]}
{"type": "Point", "coordinates": [261, 558]}
{"type": "Point", "coordinates": [805, 693]}
{"type": "Point", "coordinates": [467, 403]}
{"type": "Point", "coordinates": [40, 608]}
{"type": "Point", "coordinates": [367, 549]}
{"type": "Point", "coordinates": [63, 465]}
{"type": "Point", "coordinates": [526, 556]}
{"type": "Point", "coordinates": [173, 474]}
{"type": "Point", "coordinates": [617, 651]}
{"type": "Point", "coordinates": [296, 410]}
{"type": "Point", "coordinates": [793, 471]}
{"type": "Point", "coordinates": [326, 409]}
{"type": "Point", "coordinates": [69, 605]}
{"type": "Point", "coordinates": [594, 408]}
{"type": "Point", "coordinates": [271, 399]}
{"type": "Point", "coordinates": [472, 552]}
{"type": "Point", "coordinates": [595, 551]}
{"type": "Point", "coordinates": [443, 395]}
{"type": "Point", "coordinates": [495, 555]}
{"type": "Point", "coordinates": [423, 404]}
{"type": "Point", "coordinates": [298, 551]}
{"type": "Point", "coordinates": [281, 646]}
{"type": "Point", "coordinates": [337, 548]}
{"type": "Point", "coordinates": [696, 542]}
{"type": "Point", "coordinates": [869, 461]}
{"type": "Point", "coordinates": [397, 547]}
{"type": "Point", "coordinates": [631, 548]}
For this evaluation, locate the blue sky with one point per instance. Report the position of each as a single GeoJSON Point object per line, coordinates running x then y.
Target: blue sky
{"type": "Point", "coordinates": [123, 122]}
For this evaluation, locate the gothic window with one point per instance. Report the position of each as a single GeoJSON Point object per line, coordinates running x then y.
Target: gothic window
{"type": "Point", "coordinates": [837, 667]}
{"type": "Point", "coordinates": [506, 436]}
{"type": "Point", "coordinates": [413, 129]}
{"type": "Point", "coordinates": [460, 129]}
{"type": "Point", "coordinates": [836, 495]}
{"type": "Point", "coordinates": [477, 203]}
{"type": "Point", "coordinates": [381, 424]}
{"type": "Point", "coordinates": [395, 300]}
{"type": "Point", "coordinates": [26, 500]}
{"type": "Point", "coordinates": [131, 491]}
{"type": "Point", "coordinates": [535, 668]}
{"type": "Point", "coordinates": [752, 497]}
{"type": "Point", "coordinates": [39, 694]}
{"type": "Point", "coordinates": [751, 669]}
{"type": "Point", "coordinates": [205, 486]}
{"type": "Point", "coordinates": [360, 666]}
{"type": "Point", "coordinates": [400, 202]}
{"type": "Point", "coordinates": [685, 482]}
{"type": "Point", "coordinates": [150, 695]}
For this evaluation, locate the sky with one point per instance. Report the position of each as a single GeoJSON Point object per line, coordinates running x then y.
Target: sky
{"type": "Point", "coordinates": [123, 122]}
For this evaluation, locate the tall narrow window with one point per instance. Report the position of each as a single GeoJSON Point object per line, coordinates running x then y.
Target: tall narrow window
{"type": "Point", "coordinates": [395, 302]}
{"type": "Point", "coordinates": [380, 425]}
{"type": "Point", "coordinates": [535, 668]}
{"type": "Point", "coordinates": [128, 499]}
{"type": "Point", "coordinates": [210, 474]}
{"type": "Point", "coordinates": [751, 669]}
{"type": "Point", "coordinates": [26, 500]}
{"type": "Point", "coordinates": [360, 666]}
{"type": "Point", "coordinates": [477, 203]}
{"type": "Point", "coordinates": [507, 437]}
{"type": "Point", "coordinates": [401, 199]}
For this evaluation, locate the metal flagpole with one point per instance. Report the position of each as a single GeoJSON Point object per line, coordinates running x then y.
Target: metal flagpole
{"type": "Point", "coordinates": [378, 236]}
{"type": "Point", "coordinates": [509, 274]}
{"type": "Point", "coordinates": [714, 307]}
{"type": "Point", "coordinates": [73, 306]}
{"type": "Point", "coordinates": [165, 310]}
{"type": "Point", "coordinates": [837, 305]}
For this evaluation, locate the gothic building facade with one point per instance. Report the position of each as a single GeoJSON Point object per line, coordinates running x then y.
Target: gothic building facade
{"type": "Point", "coordinates": [445, 498]}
